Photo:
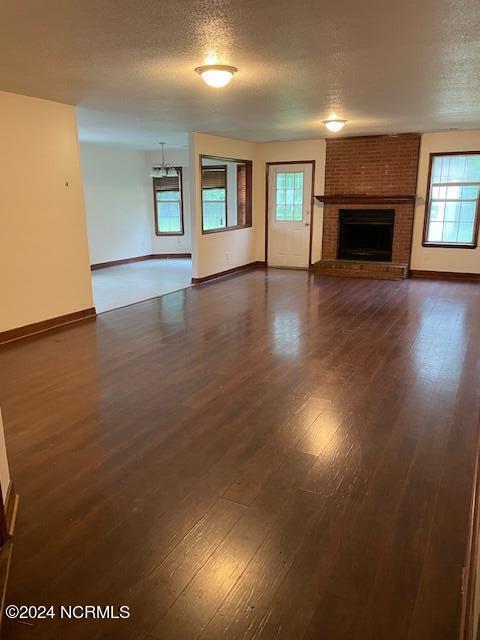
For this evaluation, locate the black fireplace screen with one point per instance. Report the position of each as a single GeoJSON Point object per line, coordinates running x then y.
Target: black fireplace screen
{"type": "Point", "coordinates": [366, 234]}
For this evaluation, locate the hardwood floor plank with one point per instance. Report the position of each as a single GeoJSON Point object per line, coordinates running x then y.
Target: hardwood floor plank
{"type": "Point", "coordinates": [272, 456]}
{"type": "Point", "coordinates": [280, 435]}
{"type": "Point", "coordinates": [197, 604]}
{"type": "Point", "coordinates": [437, 607]}
{"type": "Point", "coordinates": [243, 609]}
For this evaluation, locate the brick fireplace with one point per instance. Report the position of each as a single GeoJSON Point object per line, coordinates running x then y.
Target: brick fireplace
{"type": "Point", "coordinates": [370, 173]}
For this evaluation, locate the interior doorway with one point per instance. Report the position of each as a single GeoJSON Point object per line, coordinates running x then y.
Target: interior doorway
{"type": "Point", "coordinates": [138, 223]}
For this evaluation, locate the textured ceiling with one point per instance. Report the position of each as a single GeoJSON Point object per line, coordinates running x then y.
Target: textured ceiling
{"type": "Point", "coordinates": [385, 65]}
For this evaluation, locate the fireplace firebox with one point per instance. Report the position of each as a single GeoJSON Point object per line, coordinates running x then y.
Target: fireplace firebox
{"type": "Point", "coordinates": [366, 234]}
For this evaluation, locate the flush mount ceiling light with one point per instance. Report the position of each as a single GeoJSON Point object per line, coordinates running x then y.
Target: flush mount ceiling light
{"type": "Point", "coordinates": [334, 124]}
{"type": "Point", "coordinates": [163, 170]}
{"type": "Point", "coordinates": [216, 75]}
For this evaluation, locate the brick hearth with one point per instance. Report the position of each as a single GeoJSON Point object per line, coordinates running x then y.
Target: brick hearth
{"type": "Point", "coordinates": [362, 269]}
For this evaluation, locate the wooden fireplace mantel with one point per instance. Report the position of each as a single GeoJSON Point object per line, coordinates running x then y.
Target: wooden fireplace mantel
{"type": "Point", "coordinates": [360, 198]}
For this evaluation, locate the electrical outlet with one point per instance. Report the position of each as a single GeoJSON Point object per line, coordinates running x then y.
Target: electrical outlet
{"type": "Point", "coordinates": [228, 255]}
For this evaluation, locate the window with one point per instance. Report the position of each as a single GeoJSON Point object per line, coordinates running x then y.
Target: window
{"type": "Point", "coordinates": [226, 194]}
{"type": "Point", "coordinates": [289, 196]}
{"type": "Point", "coordinates": [453, 194]}
{"type": "Point", "coordinates": [214, 197]}
{"type": "Point", "coordinates": [167, 194]}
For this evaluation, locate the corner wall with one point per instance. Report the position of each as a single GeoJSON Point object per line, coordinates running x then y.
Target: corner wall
{"type": "Point", "coordinates": [44, 264]}
{"type": "Point", "coordinates": [440, 258]}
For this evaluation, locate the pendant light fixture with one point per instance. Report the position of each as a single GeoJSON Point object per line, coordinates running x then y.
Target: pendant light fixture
{"type": "Point", "coordinates": [216, 75]}
{"type": "Point", "coordinates": [163, 170]}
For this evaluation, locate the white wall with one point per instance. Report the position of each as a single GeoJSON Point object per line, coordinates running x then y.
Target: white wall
{"type": "Point", "coordinates": [287, 152]}
{"type": "Point", "coordinates": [44, 266]}
{"type": "Point", "coordinates": [216, 252]}
{"type": "Point", "coordinates": [438, 258]}
{"type": "Point", "coordinates": [171, 244]}
{"type": "Point", "coordinates": [119, 203]}
{"type": "Point", "coordinates": [116, 203]}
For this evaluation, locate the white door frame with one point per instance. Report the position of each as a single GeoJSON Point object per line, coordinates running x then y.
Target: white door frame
{"type": "Point", "coordinates": [267, 204]}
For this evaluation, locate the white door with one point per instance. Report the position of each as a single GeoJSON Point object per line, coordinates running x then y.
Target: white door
{"type": "Point", "coordinates": [289, 215]}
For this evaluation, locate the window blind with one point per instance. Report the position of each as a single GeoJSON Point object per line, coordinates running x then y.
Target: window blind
{"type": "Point", "coordinates": [242, 194]}
{"type": "Point", "coordinates": [214, 177]}
{"type": "Point", "coordinates": [168, 183]}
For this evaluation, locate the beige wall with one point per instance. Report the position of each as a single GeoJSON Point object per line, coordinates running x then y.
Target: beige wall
{"type": "Point", "coordinates": [288, 152]}
{"type": "Point", "coordinates": [118, 203]}
{"type": "Point", "coordinates": [44, 265]}
{"type": "Point", "coordinates": [216, 252]}
{"type": "Point", "coordinates": [436, 258]}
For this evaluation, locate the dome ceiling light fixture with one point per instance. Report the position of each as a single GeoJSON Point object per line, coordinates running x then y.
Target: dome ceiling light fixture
{"type": "Point", "coordinates": [334, 124]}
{"type": "Point", "coordinates": [216, 75]}
{"type": "Point", "coordinates": [163, 170]}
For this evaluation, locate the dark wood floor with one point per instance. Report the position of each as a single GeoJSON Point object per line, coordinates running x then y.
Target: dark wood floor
{"type": "Point", "coordinates": [275, 455]}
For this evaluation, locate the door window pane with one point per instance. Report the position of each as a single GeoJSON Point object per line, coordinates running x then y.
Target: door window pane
{"type": "Point", "coordinates": [289, 196]}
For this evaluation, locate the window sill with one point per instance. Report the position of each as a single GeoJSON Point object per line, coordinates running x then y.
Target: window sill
{"type": "Point", "coordinates": [168, 233]}
{"type": "Point", "coordinates": [443, 245]}
{"type": "Point", "coordinates": [222, 229]}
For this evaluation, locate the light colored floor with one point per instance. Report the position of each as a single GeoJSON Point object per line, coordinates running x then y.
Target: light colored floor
{"type": "Point", "coordinates": [115, 287]}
